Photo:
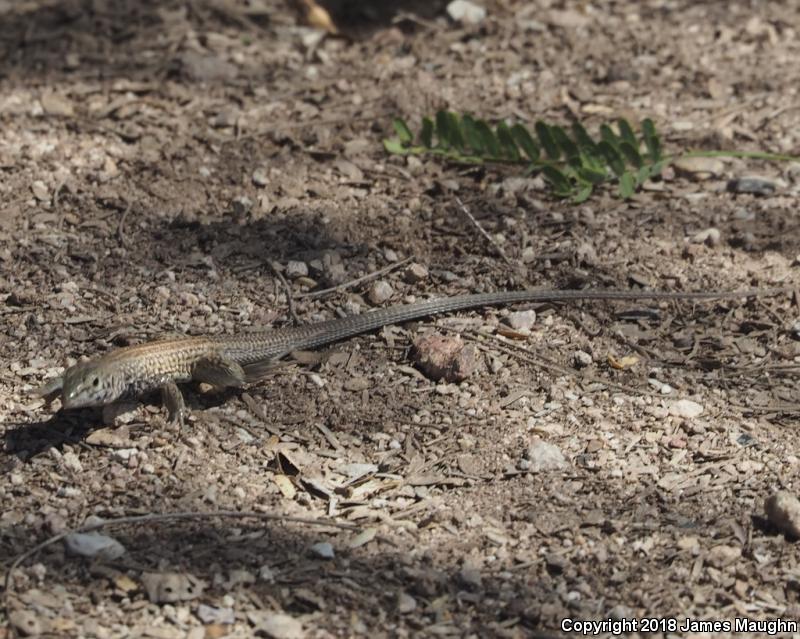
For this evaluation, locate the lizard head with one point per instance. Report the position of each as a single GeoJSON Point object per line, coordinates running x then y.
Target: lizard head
{"type": "Point", "coordinates": [85, 384]}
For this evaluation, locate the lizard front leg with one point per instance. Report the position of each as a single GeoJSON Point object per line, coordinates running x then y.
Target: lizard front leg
{"type": "Point", "coordinates": [172, 398]}
{"type": "Point", "coordinates": [217, 371]}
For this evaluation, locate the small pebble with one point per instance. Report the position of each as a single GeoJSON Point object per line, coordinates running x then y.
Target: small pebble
{"type": "Point", "coordinates": [581, 359]}
{"type": "Point", "coordinates": [470, 577]}
{"type": "Point", "coordinates": [723, 555]}
{"type": "Point", "coordinates": [415, 273]}
{"type": "Point", "coordinates": [40, 191]}
{"type": "Point", "coordinates": [296, 268]}
{"type": "Point", "coordinates": [260, 177]}
{"type": "Point", "coordinates": [709, 237]}
{"type": "Point", "coordinates": [406, 603]}
{"type": "Point", "coordinates": [242, 205]}
{"type": "Point", "coordinates": [661, 387]}
{"type": "Point", "coordinates": [54, 104]}
{"type": "Point", "coordinates": [323, 550]}
{"type": "Point", "coordinates": [744, 215]}
{"type": "Point", "coordinates": [529, 254]}
{"type": "Point", "coordinates": [415, 165]}
{"type": "Point", "coordinates": [379, 292]}
{"type": "Point", "coordinates": [753, 184]}
{"type": "Point", "coordinates": [280, 626]}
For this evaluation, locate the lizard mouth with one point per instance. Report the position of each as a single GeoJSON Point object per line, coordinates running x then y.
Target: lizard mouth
{"type": "Point", "coordinates": [69, 402]}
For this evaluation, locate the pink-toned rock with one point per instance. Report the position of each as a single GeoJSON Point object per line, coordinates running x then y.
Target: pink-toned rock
{"type": "Point", "coordinates": [442, 357]}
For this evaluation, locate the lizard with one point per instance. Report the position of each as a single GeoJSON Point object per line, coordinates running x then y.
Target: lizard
{"type": "Point", "coordinates": [237, 360]}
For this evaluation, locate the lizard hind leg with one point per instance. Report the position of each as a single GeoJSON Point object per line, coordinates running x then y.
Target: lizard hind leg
{"type": "Point", "coordinates": [256, 371]}
{"type": "Point", "coordinates": [220, 372]}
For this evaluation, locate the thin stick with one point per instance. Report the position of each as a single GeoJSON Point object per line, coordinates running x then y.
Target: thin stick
{"type": "Point", "coordinates": [481, 230]}
{"type": "Point", "coordinates": [150, 518]}
{"type": "Point", "coordinates": [121, 226]}
{"type": "Point", "coordinates": [358, 280]}
{"type": "Point", "coordinates": [288, 290]}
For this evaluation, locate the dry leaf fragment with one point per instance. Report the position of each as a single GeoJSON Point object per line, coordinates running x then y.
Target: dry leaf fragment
{"type": "Point", "coordinates": [285, 485]}
{"type": "Point", "coordinates": [623, 362]}
{"type": "Point", "coordinates": [316, 16]}
{"type": "Point", "coordinates": [363, 538]}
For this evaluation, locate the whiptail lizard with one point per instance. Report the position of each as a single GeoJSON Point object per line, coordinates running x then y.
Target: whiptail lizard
{"type": "Point", "coordinates": [224, 360]}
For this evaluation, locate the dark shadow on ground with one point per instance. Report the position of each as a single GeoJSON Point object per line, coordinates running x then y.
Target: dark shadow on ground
{"type": "Point", "coordinates": [273, 563]}
{"type": "Point", "coordinates": [230, 554]}
{"type": "Point", "coordinates": [141, 40]}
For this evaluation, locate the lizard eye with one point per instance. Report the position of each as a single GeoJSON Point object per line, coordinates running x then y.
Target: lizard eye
{"type": "Point", "coordinates": [95, 381]}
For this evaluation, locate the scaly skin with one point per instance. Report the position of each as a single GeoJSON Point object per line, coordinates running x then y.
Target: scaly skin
{"type": "Point", "coordinates": [236, 360]}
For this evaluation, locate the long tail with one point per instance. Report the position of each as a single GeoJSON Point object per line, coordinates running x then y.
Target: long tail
{"type": "Point", "coordinates": [258, 350]}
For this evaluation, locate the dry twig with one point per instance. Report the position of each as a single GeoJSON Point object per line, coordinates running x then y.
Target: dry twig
{"type": "Point", "coordinates": [358, 280]}
{"type": "Point", "coordinates": [288, 289]}
{"type": "Point", "coordinates": [482, 231]}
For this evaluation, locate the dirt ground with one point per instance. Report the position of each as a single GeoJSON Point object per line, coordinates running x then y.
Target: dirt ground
{"type": "Point", "coordinates": [157, 157]}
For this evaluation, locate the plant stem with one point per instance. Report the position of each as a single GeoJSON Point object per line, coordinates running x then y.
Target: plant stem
{"type": "Point", "coordinates": [757, 155]}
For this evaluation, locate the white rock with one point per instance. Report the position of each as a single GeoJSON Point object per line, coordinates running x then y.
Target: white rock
{"type": "Point", "coordinates": [521, 320]}
{"type": "Point", "coordinates": [209, 614]}
{"type": "Point", "coordinates": [406, 603]}
{"type": "Point", "coordinates": [296, 268]}
{"type": "Point", "coordinates": [699, 168]}
{"type": "Point", "coordinates": [544, 456]}
{"type": "Point", "coordinates": [124, 454]}
{"type": "Point", "coordinates": [93, 544]}
{"type": "Point", "coordinates": [685, 408]}
{"type": "Point", "coordinates": [710, 236]}
{"type": "Point", "coordinates": [54, 104]}
{"type": "Point", "coordinates": [466, 12]}
{"type": "Point", "coordinates": [72, 462]}
{"type": "Point", "coordinates": [581, 359]}
{"type": "Point", "coordinates": [40, 191]}
{"type": "Point", "coordinates": [280, 626]}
